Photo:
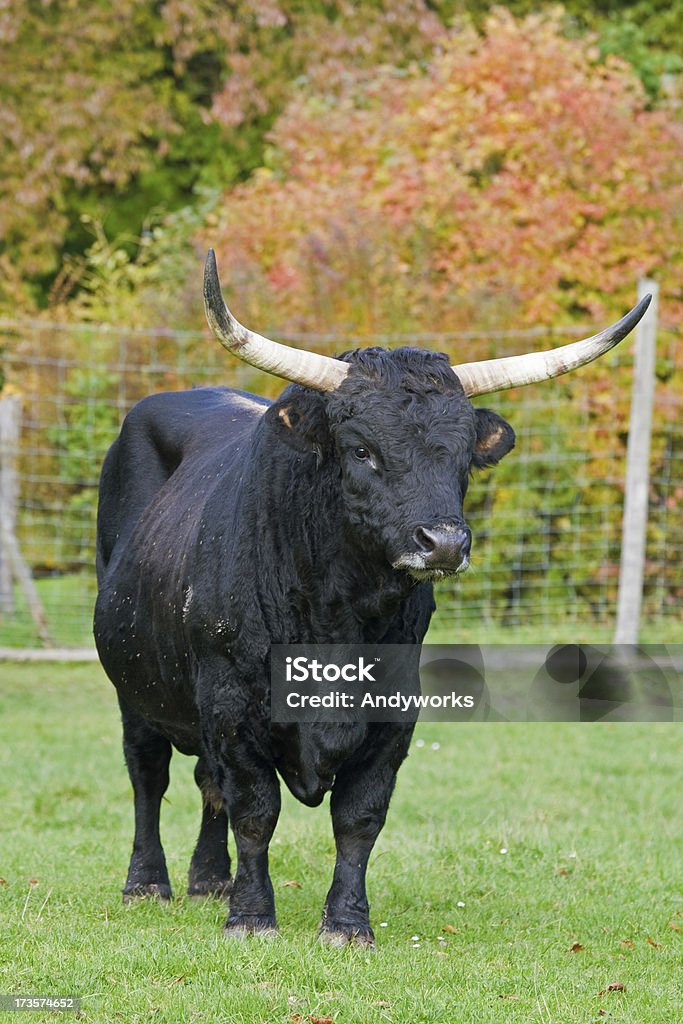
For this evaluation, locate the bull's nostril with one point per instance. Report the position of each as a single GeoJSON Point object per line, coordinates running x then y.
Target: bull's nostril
{"type": "Point", "coordinates": [466, 541]}
{"type": "Point", "coordinates": [425, 540]}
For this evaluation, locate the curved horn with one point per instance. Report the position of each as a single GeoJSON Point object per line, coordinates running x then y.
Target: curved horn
{"type": "Point", "coordinates": [308, 368]}
{"type": "Point", "coordinates": [514, 371]}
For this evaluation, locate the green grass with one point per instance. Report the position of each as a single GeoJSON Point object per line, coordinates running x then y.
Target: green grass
{"type": "Point", "coordinates": [68, 602]}
{"type": "Point", "coordinates": [590, 816]}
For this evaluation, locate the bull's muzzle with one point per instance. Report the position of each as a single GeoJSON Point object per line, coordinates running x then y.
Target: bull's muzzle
{"type": "Point", "coordinates": [444, 548]}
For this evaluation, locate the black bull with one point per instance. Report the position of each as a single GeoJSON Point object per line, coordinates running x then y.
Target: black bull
{"type": "Point", "coordinates": [226, 524]}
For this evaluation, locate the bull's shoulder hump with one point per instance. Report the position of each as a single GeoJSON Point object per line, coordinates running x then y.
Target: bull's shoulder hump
{"type": "Point", "coordinates": [198, 402]}
{"type": "Point", "coordinates": [176, 417]}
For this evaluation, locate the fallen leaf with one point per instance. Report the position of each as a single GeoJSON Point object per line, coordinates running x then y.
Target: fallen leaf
{"type": "Point", "coordinates": [563, 872]}
{"type": "Point", "coordinates": [577, 948]}
{"type": "Point", "coordinates": [616, 986]}
{"type": "Point", "coordinates": [507, 995]}
{"type": "Point", "coordinates": [627, 943]}
{"type": "Point", "coordinates": [451, 929]}
{"type": "Point", "coordinates": [296, 1018]}
{"type": "Point", "coordinates": [655, 945]}
{"type": "Point", "coordinates": [603, 1013]}
{"type": "Point", "coordinates": [292, 884]}
{"type": "Point", "coordinates": [3, 881]}
{"type": "Point", "coordinates": [33, 881]}
{"type": "Point", "coordinates": [672, 924]}
{"type": "Point", "coordinates": [176, 981]}
{"type": "Point", "coordinates": [320, 1020]}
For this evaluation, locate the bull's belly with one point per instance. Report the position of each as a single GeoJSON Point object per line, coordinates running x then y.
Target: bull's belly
{"type": "Point", "coordinates": [184, 738]}
{"type": "Point", "coordinates": [170, 710]}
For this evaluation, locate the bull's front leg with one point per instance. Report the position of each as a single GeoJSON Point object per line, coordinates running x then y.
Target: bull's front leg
{"type": "Point", "coordinates": [253, 809]}
{"type": "Point", "coordinates": [359, 803]}
{"type": "Point", "coordinates": [251, 793]}
{"type": "Point", "coordinates": [250, 790]}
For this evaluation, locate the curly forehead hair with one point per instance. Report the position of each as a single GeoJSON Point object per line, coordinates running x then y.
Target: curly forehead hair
{"type": "Point", "coordinates": [411, 369]}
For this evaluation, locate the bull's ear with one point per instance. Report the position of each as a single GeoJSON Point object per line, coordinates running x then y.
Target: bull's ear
{"type": "Point", "coordinates": [299, 419]}
{"type": "Point", "coordinates": [495, 438]}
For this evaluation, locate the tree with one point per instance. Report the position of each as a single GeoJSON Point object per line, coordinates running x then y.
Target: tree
{"type": "Point", "coordinates": [118, 112]}
{"type": "Point", "coordinates": [515, 178]}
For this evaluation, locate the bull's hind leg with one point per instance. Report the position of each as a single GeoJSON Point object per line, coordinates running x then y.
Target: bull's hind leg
{"type": "Point", "coordinates": [210, 866]}
{"type": "Point", "coordinates": [147, 754]}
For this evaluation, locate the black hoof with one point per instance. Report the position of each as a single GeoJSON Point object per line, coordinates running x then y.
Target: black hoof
{"type": "Point", "coordinates": [240, 928]}
{"type": "Point", "coordinates": [338, 935]}
{"type": "Point", "coordinates": [210, 888]}
{"type": "Point", "coordinates": [153, 890]}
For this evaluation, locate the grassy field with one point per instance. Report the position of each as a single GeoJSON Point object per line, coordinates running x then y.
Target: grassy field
{"type": "Point", "coordinates": [525, 870]}
{"type": "Point", "coordinates": [68, 602]}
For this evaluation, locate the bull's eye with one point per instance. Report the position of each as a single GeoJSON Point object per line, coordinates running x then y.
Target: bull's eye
{"type": "Point", "coordinates": [362, 454]}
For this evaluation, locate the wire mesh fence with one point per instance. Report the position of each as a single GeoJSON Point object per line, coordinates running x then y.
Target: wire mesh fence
{"type": "Point", "coordinates": [546, 521]}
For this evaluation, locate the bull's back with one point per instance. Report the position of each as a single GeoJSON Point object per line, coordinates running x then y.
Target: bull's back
{"type": "Point", "coordinates": [172, 448]}
{"type": "Point", "coordinates": [158, 436]}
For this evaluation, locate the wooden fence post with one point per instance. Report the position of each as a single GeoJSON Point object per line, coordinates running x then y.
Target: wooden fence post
{"type": "Point", "coordinates": [636, 491]}
{"type": "Point", "coordinates": [13, 568]}
{"type": "Point", "coordinates": [10, 418]}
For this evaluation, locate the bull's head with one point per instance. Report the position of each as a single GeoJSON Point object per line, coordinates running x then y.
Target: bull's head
{"type": "Point", "coordinates": [401, 427]}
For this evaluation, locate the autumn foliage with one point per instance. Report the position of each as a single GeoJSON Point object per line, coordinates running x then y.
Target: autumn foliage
{"type": "Point", "coordinates": [513, 179]}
